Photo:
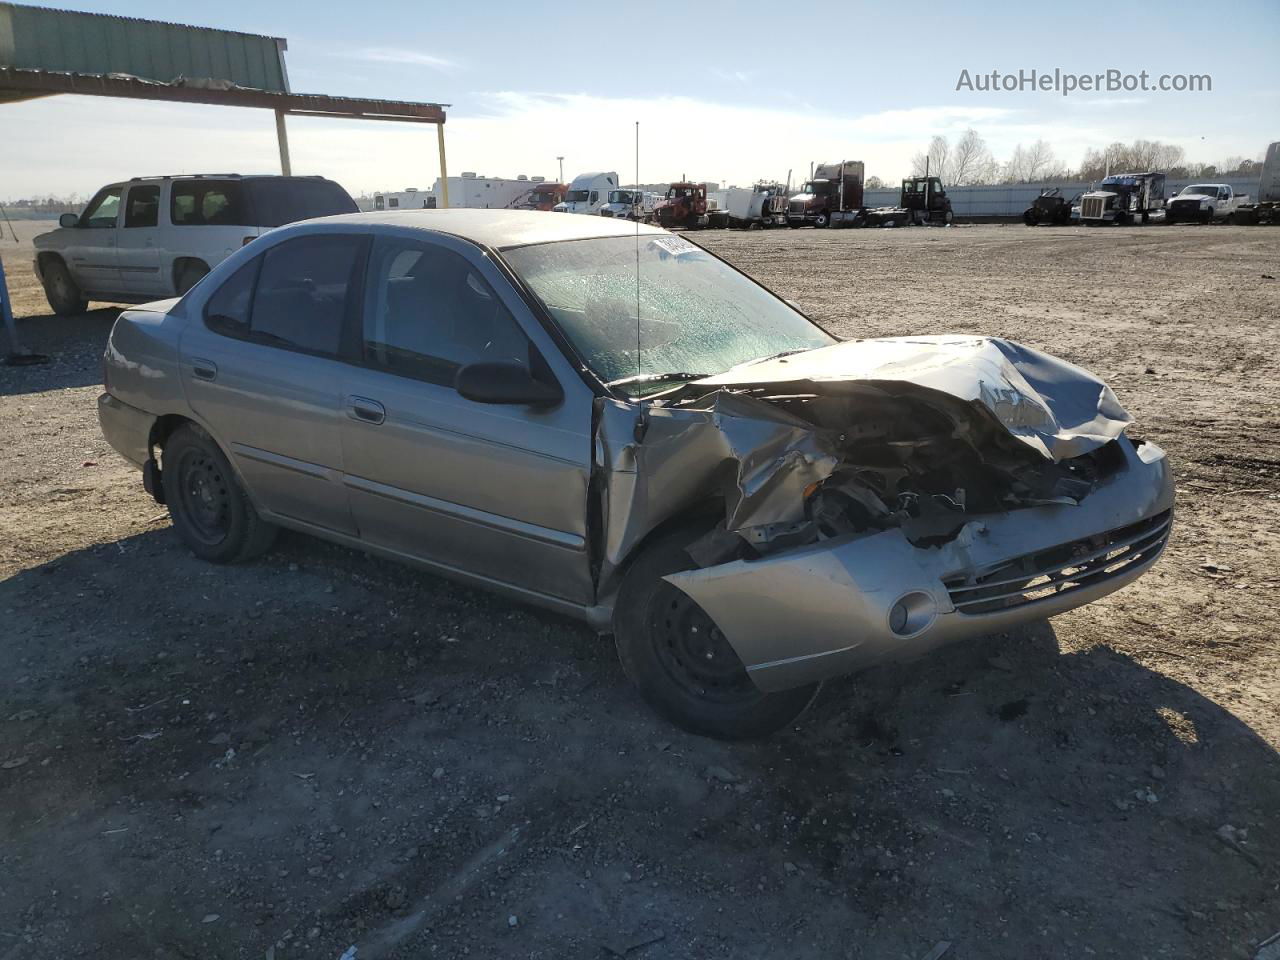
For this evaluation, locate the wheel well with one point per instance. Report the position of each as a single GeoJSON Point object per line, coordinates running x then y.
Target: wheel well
{"type": "Point", "coordinates": [49, 257]}
{"type": "Point", "coordinates": [700, 517]}
{"type": "Point", "coordinates": [181, 263]}
{"type": "Point", "coordinates": [163, 428]}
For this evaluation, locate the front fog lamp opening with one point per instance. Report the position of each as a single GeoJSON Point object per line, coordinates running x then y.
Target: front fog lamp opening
{"type": "Point", "coordinates": [912, 613]}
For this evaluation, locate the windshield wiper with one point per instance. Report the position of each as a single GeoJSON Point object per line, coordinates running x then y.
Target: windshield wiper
{"type": "Point", "coordinates": [655, 378]}
{"type": "Point", "coordinates": [775, 356]}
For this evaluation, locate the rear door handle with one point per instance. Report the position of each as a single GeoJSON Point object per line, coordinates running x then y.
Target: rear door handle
{"type": "Point", "coordinates": [366, 410]}
{"type": "Point", "coordinates": [204, 370]}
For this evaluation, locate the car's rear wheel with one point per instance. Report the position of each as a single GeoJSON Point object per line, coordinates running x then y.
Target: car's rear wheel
{"type": "Point", "coordinates": [210, 510]}
{"type": "Point", "coordinates": [681, 662]}
{"type": "Point", "coordinates": [60, 290]}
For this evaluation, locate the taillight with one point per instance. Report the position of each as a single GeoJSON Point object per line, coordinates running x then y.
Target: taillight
{"type": "Point", "coordinates": [247, 241]}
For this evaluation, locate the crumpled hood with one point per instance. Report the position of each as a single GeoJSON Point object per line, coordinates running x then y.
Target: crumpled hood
{"type": "Point", "coordinates": [1194, 197]}
{"type": "Point", "coordinates": [1058, 409]}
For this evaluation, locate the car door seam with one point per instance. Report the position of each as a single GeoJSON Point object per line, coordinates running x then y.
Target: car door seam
{"type": "Point", "coordinates": [520, 528]}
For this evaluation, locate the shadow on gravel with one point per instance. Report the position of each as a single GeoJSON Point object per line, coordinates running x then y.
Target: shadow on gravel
{"type": "Point", "coordinates": [74, 346]}
{"type": "Point", "coordinates": [328, 750]}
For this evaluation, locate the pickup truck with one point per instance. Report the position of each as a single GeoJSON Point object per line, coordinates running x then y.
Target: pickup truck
{"type": "Point", "coordinates": [1202, 203]}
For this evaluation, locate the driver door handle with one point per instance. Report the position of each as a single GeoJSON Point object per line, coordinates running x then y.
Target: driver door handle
{"type": "Point", "coordinates": [366, 410]}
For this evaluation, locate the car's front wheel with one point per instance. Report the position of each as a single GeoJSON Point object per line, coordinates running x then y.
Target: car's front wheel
{"type": "Point", "coordinates": [681, 662]}
{"type": "Point", "coordinates": [210, 510]}
{"type": "Point", "coordinates": [60, 290]}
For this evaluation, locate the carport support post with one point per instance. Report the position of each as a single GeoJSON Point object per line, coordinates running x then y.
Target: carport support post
{"type": "Point", "coordinates": [444, 171]}
{"type": "Point", "coordinates": [6, 308]}
{"type": "Point", "coordinates": [282, 136]}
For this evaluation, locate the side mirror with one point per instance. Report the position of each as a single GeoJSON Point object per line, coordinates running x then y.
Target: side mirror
{"type": "Point", "coordinates": [69, 220]}
{"type": "Point", "coordinates": [505, 383]}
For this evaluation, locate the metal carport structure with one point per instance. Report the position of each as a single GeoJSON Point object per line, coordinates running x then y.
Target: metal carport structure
{"type": "Point", "coordinates": [45, 52]}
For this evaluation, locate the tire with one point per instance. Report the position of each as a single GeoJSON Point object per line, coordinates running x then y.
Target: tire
{"type": "Point", "coordinates": [191, 273]}
{"type": "Point", "coordinates": [60, 290]}
{"type": "Point", "coordinates": [1207, 216]}
{"type": "Point", "coordinates": [210, 510]}
{"type": "Point", "coordinates": [680, 662]}
{"type": "Point", "coordinates": [948, 217]}
{"type": "Point", "coordinates": [822, 220]}
{"type": "Point", "coordinates": [1029, 218]}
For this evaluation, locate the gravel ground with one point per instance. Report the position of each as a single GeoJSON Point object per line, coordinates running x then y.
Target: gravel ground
{"type": "Point", "coordinates": [320, 750]}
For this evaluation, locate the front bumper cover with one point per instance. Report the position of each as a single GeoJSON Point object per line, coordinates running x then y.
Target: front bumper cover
{"type": "Point", "coordinates": [823, 610]}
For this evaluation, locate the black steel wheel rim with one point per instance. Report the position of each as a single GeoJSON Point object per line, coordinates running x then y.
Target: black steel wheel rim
{"type": "Point", "coordinates": [205, 495]}
{"type": "Point", "coordinates": [693, 651]}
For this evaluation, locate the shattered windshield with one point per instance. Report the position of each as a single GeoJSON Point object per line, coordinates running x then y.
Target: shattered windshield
{"type": "Point", "coordinates": [697, 314]}
{"type": "Point", "coordinates": [620, 196]}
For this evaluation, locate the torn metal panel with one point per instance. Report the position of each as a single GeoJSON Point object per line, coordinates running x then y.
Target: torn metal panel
{"type": "Point", "coordinates": [825, 609]}
{"type": "Point", "coordinates": [658, 462]}
{"type": "Point", "coordinates": [1058, 409]}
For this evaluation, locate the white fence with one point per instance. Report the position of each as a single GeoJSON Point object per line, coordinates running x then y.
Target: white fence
{"type": "Point", "coordinates": [1011, 199]}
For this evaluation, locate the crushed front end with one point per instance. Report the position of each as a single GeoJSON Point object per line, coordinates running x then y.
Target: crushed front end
{"type": "Point", "coordinates": [886, 497]}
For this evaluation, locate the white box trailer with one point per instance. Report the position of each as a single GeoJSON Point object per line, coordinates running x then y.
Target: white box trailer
{"type": "Point", "coordinates": [411, 198]}
{"type": "Point", "coordinates": [478, 192]}
{"type": "Point", "coordinates": [1266, 208]}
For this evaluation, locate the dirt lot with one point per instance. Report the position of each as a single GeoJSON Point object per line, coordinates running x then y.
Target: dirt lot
{"type": "Point", "coordinates": [319, 750]}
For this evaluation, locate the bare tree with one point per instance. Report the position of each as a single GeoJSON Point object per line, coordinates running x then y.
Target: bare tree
{"type": "Point", "coordinates": [971, 161]}
{"type": "Point", "coordinates": [1030, 163]}
{"type": "Point", "coordinates": [1136, 157]}
{"type": "Point", "coordinates": [934, 161]}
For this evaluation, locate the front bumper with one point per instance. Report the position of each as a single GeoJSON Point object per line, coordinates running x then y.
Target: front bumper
{"type": "Point", "coordinates": [126, 428]}
{"type": "Point", "coordinates": [824, 610]}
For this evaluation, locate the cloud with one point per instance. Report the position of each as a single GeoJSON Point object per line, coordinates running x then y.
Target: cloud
{"type": "Point", "coordinates": [734, 76]}
{"type": "Point", "coordinates": [415, 58]}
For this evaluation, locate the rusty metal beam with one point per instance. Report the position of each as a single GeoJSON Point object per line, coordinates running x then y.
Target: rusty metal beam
{"type": "Point", "coordinates": [17, 84]}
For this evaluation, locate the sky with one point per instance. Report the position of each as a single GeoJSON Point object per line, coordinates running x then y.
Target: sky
{"type": "Point", "coordinates": [731, 92]}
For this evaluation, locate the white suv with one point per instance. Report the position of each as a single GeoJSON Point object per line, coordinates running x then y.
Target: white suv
{"type": "Point", "coordinates": [154, 237]}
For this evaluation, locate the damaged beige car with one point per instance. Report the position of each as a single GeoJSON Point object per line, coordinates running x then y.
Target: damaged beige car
{"type": "Point", "coordinates": [611, 422]}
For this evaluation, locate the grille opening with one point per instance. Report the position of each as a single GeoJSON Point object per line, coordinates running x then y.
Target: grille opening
{"type": "Point", "coordinates": [1061, 569]}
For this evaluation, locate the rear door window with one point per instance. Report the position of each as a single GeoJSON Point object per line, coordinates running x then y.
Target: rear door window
{"type": "Point", "coordinates": [206, 203]}
{"type": "Point", "coordinates": [304, 291]}
{"type": "Point", "coordinates": [227, 311]}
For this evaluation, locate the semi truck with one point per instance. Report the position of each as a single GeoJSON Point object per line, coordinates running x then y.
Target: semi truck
{"type": "Point", "coordinates": [921, 201]}
{"type": "Point", "coordinates": [629, 205]}
{"type": "Point", "coordinates": [1123, 198]}
{"type": "Point", "coordinates": [687, 205]}
{"type": "Point", "coordinates": [588, 193]}
{"type": "Point", "coordinates": [1266, 209]}
{"type": "Point", "coordinates": [831, 197]}
{"type": "Point", "coordinates": [764, 205]}
{"type": "Point", "coordinates": [543, 195]}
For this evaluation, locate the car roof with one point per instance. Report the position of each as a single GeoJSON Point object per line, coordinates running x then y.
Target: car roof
{"type": "Point", "coordinates": [217, 176]}
{"type": "Point", "coordinates": [500, 229]}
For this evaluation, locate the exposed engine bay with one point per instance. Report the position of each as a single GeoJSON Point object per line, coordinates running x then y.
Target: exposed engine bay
{"type": "Point", "coordinates": [920, 434]}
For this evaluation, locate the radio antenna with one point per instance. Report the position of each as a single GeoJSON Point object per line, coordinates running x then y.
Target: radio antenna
{"type": "Point", "coordinates": [641, 213]}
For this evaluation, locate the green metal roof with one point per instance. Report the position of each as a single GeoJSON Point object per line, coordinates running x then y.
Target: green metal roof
{"type": "Point", "coordinates": [64, 41]}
